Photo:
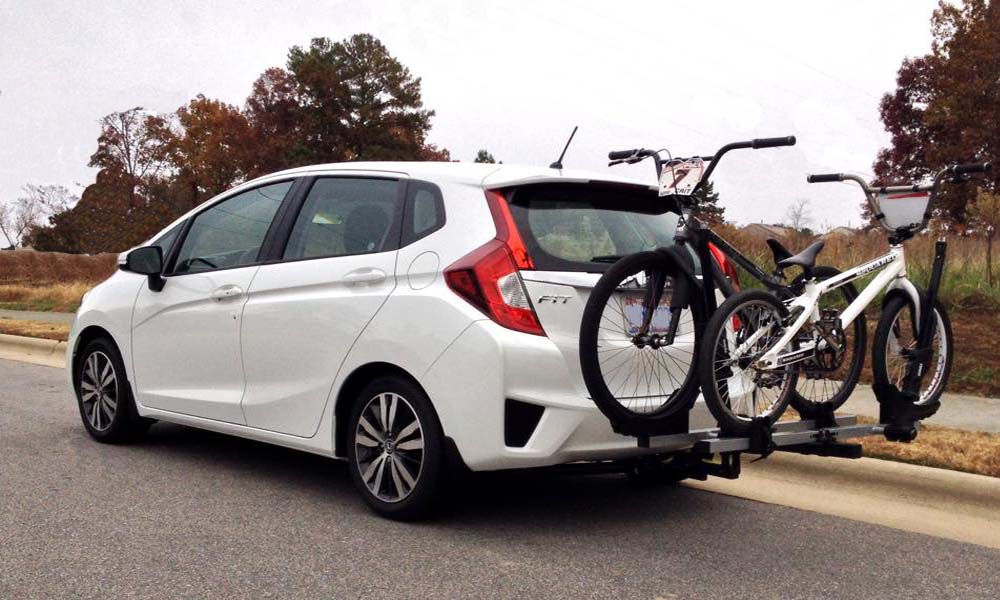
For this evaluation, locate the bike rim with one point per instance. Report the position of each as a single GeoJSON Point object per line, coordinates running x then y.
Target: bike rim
{"type": "Point", "coordinates": [901, 336]}
{"type": "Point", "coordinates": [99, 391]}
{"type": "Point", "coordinates": [746, 392]}
{"type": "Point", "coordinates": [643, 380]}
{"type": "Point", "coordinates": [389, 447]}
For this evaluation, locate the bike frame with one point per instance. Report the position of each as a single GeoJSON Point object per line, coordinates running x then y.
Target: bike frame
{"type": "Point", "coordinates": [892, 275]}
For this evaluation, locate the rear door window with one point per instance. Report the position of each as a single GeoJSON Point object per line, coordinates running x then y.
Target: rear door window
{"type": "Point", "coordinates": [584, 227]}
{"type": "Point", "coordinates": [344, 216]}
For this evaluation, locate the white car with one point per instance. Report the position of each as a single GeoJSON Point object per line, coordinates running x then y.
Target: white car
{"type": "Point", "coordinates": [408, 317]}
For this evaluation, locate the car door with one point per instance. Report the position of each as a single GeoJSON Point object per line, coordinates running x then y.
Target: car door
{"type": "Point", "coordinates": [186, 337]}
{"type": "Point", "coordinates": [305, 311]}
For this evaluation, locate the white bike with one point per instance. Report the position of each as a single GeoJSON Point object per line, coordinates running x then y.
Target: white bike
{"type": "Point", "coordinates": [756, 347]}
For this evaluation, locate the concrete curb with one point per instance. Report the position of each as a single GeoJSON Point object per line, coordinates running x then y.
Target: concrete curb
{"type": "Point", "coordinates": [938, 502]}
{"type": "Point", "coordinates": [50, 353]}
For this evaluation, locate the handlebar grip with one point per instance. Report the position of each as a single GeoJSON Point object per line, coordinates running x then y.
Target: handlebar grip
{"type": "Point", "coordinates": [772, 142]}
{"type": "Point", "coordinates": [621, 154]}
{"type": "Point", "coordinates": [825, 178]}
{"type": "Point", "coordinates": [973, 168]}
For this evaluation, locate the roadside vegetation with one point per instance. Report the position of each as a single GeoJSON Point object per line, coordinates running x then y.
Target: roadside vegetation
{"type": "Point", "coordinates": [50, 281]}
{"type": "Point", "coordinates": [941, 447]}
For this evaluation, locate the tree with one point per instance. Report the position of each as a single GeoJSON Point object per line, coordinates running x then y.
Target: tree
{"type": "Point", "coordinates": [274, 114]}
{"type": "Point", "coordinates": [131, 144]}
{"type": "Point", "coordinates": [356, 101]}
{"type": "Point", "coordinates": [946, 107]}
{"type": "Point", "coordinates": [984, 213]}
{"type": "Point", "coordinates": [709, 209]}
{"type": "Point", "coordinates": [210, 147]}
{"type": "Point", "coordinates": [798, 216]}
{"type": "Point", "coordinates": [483, 156]}
{"type": "Point", "coordinates": [38, 203]}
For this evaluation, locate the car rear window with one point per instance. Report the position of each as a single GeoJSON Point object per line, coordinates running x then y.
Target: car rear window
{"type": "Point", "coordinates": [582, 227]}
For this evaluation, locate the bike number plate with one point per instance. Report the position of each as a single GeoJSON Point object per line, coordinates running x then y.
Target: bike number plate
{"type": "Point", "coordinates": [681, 179]}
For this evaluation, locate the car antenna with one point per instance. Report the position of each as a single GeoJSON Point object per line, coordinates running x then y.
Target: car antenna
{"type": "Point", "coordinates": [558, 163]}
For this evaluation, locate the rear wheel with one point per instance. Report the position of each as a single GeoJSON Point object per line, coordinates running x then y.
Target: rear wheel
{"type": "Point", "coordinates": [736, 391]}
{"type": "Point", "coordinates": [635, 374]}
{"type": "Point", "coordinates": [396, 449]}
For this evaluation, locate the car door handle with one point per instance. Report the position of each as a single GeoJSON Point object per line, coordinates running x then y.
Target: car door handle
{"type": "Point", "coordinates": [227, 292]}
{"type": "Point", "coordinates": [365, 275]}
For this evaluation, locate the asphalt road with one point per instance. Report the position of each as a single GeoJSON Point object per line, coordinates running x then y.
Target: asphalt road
{"type": "Point", "coordinates": [196, 514]}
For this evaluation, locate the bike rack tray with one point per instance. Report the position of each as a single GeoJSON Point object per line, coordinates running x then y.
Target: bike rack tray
{"type": "Point", "coordinates": [794, 436]}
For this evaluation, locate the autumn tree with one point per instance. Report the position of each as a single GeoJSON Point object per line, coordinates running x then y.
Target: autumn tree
{"type": "Point", "coordinates": [209, 146]}
{"type": "Point", "coordinates": [799, 217]}
{"type": "Point", "coordinates": [946, 106]}
{"type": "Point", "coordinates": [984, 216]}
{"type": "Point", "coordinates": [484, 156]}
{"type": "Point", "coordinates": [131, 146]}
{"type": "Point", "coordinates": [275, 117]}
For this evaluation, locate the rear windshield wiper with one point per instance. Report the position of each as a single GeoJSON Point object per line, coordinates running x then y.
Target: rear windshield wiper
{"type": "Point", "coordinates": [606, 258]}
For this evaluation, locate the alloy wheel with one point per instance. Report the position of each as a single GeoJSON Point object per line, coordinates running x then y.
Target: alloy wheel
{"type": "Point", "coordinates": [99, 391]}
{"type": "Point", "coordinates": [389, 447]}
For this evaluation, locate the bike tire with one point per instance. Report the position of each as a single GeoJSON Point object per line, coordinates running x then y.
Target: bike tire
{"type": "Point", "coordinates": [729, 421]}
{"type": "Point", "coordinates": [681, 368]}
{"type": "Point", "coordinates": [883, 373]}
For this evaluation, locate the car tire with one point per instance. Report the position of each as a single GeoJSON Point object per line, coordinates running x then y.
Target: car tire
{"type": "Point", "coordinates": [104, 395]}
{"type": "Point", "coordinates": [395, 448]}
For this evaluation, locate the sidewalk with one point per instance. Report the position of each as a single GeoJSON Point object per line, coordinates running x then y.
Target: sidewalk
{"type": "Point", "coordinates": [971, 413]}
{"type": "Point", "coordinates": [33, 315]}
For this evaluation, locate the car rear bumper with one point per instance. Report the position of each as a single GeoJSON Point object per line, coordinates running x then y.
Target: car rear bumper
{"type": "Point", "coordinates": [473, 379]}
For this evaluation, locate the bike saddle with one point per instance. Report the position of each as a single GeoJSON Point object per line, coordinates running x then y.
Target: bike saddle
{"type": "Point", "coordinates": [805, 259]}
{"type": "Point", "coordinates": [780, 252]}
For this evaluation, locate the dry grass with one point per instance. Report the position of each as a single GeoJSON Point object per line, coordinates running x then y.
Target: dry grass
{"type": "Point", "coordinates": [50, 281]}
{"type": "Point", "coordinates": [38, 329]}
{"type": "Point", "coordinates": [942, 447]}
{"type": "Point", "coordinates": [962, 287]}
{"type": "Point", "coordinates": [58, 297]}
{"type": "Point", "coordinates": [39, 268]}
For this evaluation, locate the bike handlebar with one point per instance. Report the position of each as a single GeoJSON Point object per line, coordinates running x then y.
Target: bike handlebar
{"type": "Point", "coordinates": [772, 142]}
{"type": "Point", "coordinates": [825, 178]}
{"type": "Point", "coordinates": [622, 154]}
{"type": "Point", "coordinates": [971, 168]}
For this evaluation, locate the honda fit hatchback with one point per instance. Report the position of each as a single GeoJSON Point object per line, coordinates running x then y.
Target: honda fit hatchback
{"type": "Point", "coordinates": [406, 317]}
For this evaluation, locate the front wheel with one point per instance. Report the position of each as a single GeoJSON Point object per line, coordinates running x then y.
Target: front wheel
{"type": "Point", "coordinates": [737, 391]}
{"type": "Point", "coordinates": [104, 395]}
{"type": "Point", "coordinates": [896, 335]}
{"type": "Point", "coordinates": [636, 373]}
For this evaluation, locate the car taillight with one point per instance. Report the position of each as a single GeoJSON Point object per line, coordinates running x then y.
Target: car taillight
{"type": "Point", "coordinates": [489, 277]}
{"type": "Point", "coordinates": [728, 269]}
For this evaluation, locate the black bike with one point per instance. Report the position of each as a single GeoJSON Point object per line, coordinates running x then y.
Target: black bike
{"type": "Point", "coordinates": [639, 338]}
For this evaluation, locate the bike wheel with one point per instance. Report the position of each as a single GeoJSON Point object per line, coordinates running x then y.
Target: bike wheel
{"type": "Point", "coordinates": [827, 380]}
{"type": "Point", "coordinates": [896, 334]}
{"type": "Point", "coordinates": [639, 383]}
{"type": "Point", "coordinates": [736, 392]}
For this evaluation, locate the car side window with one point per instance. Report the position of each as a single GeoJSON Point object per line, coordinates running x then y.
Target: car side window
{"type": "Point", "coordinates": [230, 233]}
{"type": "Point", "coordinates": [343, 216]}
{"type": "Point", "coordinates": [424, 211]}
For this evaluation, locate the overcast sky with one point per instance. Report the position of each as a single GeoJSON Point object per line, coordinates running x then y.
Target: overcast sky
{"type": "Point", "coordinates": [511, 76]}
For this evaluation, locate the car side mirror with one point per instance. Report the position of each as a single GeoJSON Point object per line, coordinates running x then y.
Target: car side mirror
{"type": "Point", "coordinates": [147, 261]}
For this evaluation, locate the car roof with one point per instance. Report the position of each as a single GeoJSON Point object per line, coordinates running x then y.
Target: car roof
{"type": "Point", "coordinates": [485, 174]}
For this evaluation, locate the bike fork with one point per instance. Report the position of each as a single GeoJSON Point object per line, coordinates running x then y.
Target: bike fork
{"type": "Point", "coordinates": [921, 355]}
